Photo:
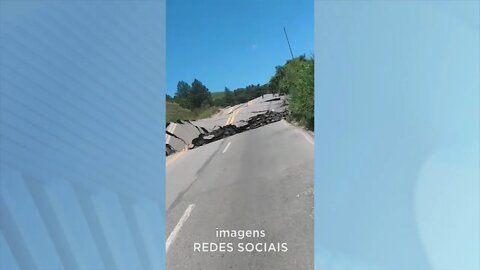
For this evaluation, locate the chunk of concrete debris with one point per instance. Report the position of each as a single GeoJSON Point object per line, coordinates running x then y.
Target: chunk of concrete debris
{"type": "Point", "coordinates": [231, 129]}
{"type": "Point", "coordinates": [169, 149]}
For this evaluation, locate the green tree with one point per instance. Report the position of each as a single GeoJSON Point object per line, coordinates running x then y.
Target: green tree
{"type": "Point", "coordinates": [200, 95]}
{"type": "Point", "coordinates": [228, 97]}
{"type": "Point", "coordinates": [295, 78]}
{"type": "Point", "coordinates": [183, 93]}
{"type": "Point", "coordinates": [274, 84]}
{"type": "Point", "coordinates": [183, 90]}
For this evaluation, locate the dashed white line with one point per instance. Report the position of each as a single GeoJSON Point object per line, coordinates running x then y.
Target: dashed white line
{"type": "Point", "coordinates": [226, 147]}
{"type": "Point", "coordinates": [179, 226]}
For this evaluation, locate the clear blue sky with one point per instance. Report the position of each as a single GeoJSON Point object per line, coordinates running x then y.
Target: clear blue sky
{"type": "Point", "coordinates": [234, 43]}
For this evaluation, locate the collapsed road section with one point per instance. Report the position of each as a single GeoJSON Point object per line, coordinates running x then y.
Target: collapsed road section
{"type": "Point", "coordinates": [218, 133]}
{"type": "Point", "coordinates": [184, 134]}
{"type": "Point", "coordinates": [229, 130]}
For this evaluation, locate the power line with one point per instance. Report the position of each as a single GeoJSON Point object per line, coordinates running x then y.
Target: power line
{"type": "Point", "coordinates": [285, 31]}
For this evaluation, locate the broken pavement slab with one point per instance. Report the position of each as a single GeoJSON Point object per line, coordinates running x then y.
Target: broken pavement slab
{"type": "Point", "coordinates": [255, 113]}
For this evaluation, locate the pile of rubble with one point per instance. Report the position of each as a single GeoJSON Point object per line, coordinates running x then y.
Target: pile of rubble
{"type": "Point", "coordinates": [183, 134]}
{"type": "Point", "coordinates": [206, 137]}
{"type": "Point", "coordinates": [229, 130]}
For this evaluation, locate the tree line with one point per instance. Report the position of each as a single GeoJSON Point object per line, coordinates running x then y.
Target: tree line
{"type": "Point", "coordinates": [192, 96]}
{"type": "Point", "coordinates": [294, 79]}
{"type": "Point", "coordinates": [240, 95]}
{"type": "Point", "coordinates": [197, 95]}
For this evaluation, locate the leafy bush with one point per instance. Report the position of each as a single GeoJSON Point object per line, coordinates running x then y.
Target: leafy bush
{"type": "Point", "coordinates": [239, 95]}
{"type": "Point", "coordinates": [295, 78]}
{"type": "Point", "coordinates": [192, 97]}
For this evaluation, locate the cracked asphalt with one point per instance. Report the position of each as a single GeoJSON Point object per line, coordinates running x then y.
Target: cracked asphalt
{"type": "Point", "coordinates": [259, 179]}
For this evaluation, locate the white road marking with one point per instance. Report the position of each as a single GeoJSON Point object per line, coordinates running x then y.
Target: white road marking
{"type": "Point", "coordinates": [177, 228]}
{"type": "Point", "coordinates": [172, 129]}
{"type": "Point", "coordinates": [166, 135]}
{"type": "Point", "coordinates": [307, 138]}
{"type": "Point", "coordinates": [226, 147]}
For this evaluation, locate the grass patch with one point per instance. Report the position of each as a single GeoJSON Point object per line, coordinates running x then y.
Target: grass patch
{"type": "Point", "coordinates": [175, 112]}
{"type": "Point", "coordinates": [205, 112]}
{"type": "Point", "coordinates": [217, 95]}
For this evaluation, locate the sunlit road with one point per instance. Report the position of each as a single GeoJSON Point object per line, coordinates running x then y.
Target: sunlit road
{"type": "Point", "coordinates": [261, 179]}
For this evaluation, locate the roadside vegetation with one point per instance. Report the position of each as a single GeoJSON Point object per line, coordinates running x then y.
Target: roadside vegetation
{"type": "Point", "coordinates": [294, 79]}
{"type": "Point", "coordinates": [195, 101]}
{"type": "Point", "coordinates": [176, 112]}
{"type": "Point", "coordinates": [240, 95]}
{"type": "Point", "coordinates": [190, 102]}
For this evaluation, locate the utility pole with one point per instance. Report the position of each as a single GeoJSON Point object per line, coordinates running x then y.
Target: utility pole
{"type": "Point", "coordinates": [285, 31]}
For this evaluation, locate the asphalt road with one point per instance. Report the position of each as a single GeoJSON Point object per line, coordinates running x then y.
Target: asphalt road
{"type": "Point", "coordinates": [261, 179]}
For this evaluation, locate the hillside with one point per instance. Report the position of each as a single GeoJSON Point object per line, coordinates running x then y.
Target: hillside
{"type": "Point", "coordinates": [175, 112]}
{"type": "Point", "coordinates": [217, 95]}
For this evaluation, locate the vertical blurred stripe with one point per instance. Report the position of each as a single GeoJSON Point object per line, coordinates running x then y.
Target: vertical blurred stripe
{"type": "Point", "coordinates": [82, 90]}
{"type": "Point", "coordinates": [397, 126]}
